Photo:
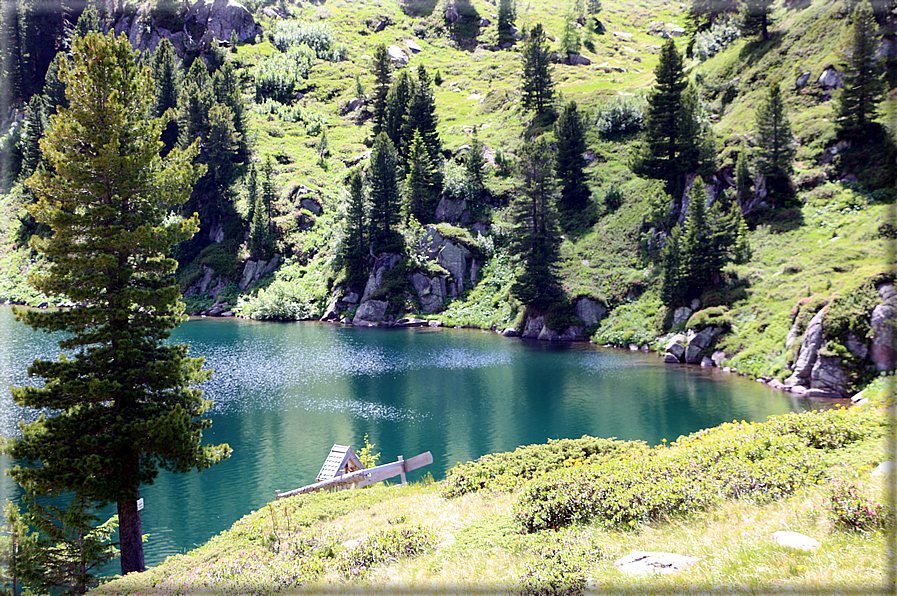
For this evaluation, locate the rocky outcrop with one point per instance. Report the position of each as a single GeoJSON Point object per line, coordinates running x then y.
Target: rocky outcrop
{"type": "Point", "coordinates": [691, 347]}
{"type": "Point", "coordinates": [384, 263]}
{"type": "Point", "coordinates": [535, 328]}
{"type": "Point", "coordinates": [205, 22]}
{"type": "Point", "coordinates": [452, 211]}
{"type": "Point", "coordinates": [431, 291]}
{"type": "Point", "coordinates": [254, 269]}
{"type": "Point", "coordinates": [370, 313]}
{"type": "Point", "coordinates": [589, 311]}
{"type": "Point", "coordinates": [809, 349]}
{"type": "Point", "coordinates": [883, 351]}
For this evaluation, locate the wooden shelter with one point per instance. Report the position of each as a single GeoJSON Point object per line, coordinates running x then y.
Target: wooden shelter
{"type": "Point", "coordinates": [341, 460]}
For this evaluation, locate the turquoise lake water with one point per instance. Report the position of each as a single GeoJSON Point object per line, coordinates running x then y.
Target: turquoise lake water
{"type": "Point", "coordinates": [286, 392]}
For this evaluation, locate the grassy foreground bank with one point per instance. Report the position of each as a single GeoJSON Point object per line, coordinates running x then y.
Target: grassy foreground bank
{"type": "Point", "coordinates": [552, 519]}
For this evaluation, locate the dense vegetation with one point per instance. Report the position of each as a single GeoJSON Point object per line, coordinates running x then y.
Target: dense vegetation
{"type": "Point", "coordinates": [572, 180]}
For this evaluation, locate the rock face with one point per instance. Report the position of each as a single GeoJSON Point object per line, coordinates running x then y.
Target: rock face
{"type": "Point", "coordinates": [803, 366]}
{"type": "Point", "coordinates": [454, 259]}
{"type": "Point", "coordinates": [535, 328]}
{"type": "Point", "coordinates": [883, 351]}
{"type": "Point", "coordinates": [370, 312]}
{"type": "Point", "coordinates": [589, 311]}
{"type": "Point", "coordinates": [222, 17]}
{"type": "Point", "coordinates": [451, 210]}
{"type": "Point", "coordinates": [430, 291]}
{"type": "Point", "coordinates": [383, 264]}
{"type": "Point", "coordinates": [255, 269]}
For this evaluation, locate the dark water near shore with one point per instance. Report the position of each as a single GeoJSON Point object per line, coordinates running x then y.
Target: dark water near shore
{"type": "Point", "coordinates": [286, 392]}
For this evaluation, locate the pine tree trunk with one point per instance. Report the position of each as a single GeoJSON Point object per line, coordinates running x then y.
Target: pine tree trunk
{"type": "Point", "coordinates": [130, 533]}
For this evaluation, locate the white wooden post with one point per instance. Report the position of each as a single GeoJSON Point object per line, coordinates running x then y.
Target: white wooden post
{"type": "Point", "coordinates": [402, 475]}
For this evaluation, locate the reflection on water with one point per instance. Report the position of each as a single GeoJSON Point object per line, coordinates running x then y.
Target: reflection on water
{"type": "Point", "coordinates": [284, 393]}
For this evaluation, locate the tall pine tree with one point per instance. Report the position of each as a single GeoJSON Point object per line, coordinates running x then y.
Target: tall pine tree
{"type": "Point", "coordinates": [381, 67]}
{"type": "Point", "coordinates": [123, 403]}
{"type": "Point", "coordinates": [863, 82]}
{"type": "Point", "coordinates": [384, 192]}
{"type": "Point", "coordinates": [775, 149]}
{"type": "Point", "coordinates": [505, 20]}
{"type": "Point", "coordinates": [167, 91]}
{"type": "Point", "coordinates": [537, 85]}
{"type": "Point", "coordinates": [570, 133]}
{"type": "Point", "coordinates": [535, 240]}
{"type": "Point", "coordinates": [755, 18]}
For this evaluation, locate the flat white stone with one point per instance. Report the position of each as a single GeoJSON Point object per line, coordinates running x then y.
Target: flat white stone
{"type": "Point", "coordinates": [884, 468]}
{"type": "Point", "coordinates": [795, 540]}
{"type": "Point", "coordinates": [644, 563]}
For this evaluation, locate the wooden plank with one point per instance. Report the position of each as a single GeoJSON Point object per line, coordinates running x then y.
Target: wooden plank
{"type": "Point", "coordinates": [368, 476]}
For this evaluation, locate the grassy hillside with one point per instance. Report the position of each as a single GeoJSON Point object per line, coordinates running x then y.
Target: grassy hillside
{"type": "Point", "coordinates": [474, 531]}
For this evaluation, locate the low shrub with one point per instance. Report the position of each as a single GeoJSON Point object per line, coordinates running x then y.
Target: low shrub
{"type": "Point", "coordinates": [715, 316]}
{"type": "Point", "coordinates": [714, 40]}
{"type": "Point", "coordinates": [385, 546]}
{"type": "Point", "coordinates": [850, 509]}
{"type": "Point", "coordinates": [560, 567]}
{"type": "Point", "coordinates": [504, 471]}
{"type": "Point", "coordinates": [758, 461]}
{"type": "Point", "coordinates": [621, 116]}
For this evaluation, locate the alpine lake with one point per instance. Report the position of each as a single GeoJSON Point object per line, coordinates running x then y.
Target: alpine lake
{"type": "Point", "coordinates": [285, 393]}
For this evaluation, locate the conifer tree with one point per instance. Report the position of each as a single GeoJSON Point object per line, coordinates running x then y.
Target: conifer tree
{"type": "Point", "coordinates": [569, 130]}
{"type": "Point", "coordinates": [743, 179]}
{"type": "Point", "coordinates": [674, 143]}
{"type": "Point", "coordinates": [10, 57]}
{"type": "Point", "coordinates": [863, 82]}
{"type": "Point", "coordinates": [537, 85]}
{"type": "Point", "coordinates": [570, 41]}
{"type": "Point", "coordinates": [54, 89]}
{"type": "Point", "coordinates": [355, 248]}
{"type": "Point", "coordinates": [535, 239]}
{"type": "Point", "coordinates": [227, 93]}
{"type": "Point", "coordinates": [381, 68]}
{"type": "Point", "coordinates": [261, 235]}
{"type": "Point", "coordinates": [32, 157]}
{"type": "Point", "coordinates": [124, 403]}
{"type": "Point", "coordinates": [702, 257]}
{"type": "Point", "coordinates": [420, 198]}
{"type": "Point", "coordinates": [505, 20]}
{"type": "Point", "coordinates": [384, 191]}
{"type": "Point", "coordinates": [755, 18]}
{"type": "Point", "coordinates": [475, 168]}
{"type": "Point", "coordinates": [421, 115]}
{"type": "Point", "coordinates": [167, 90]}
{"type": "Point", "coordinates": [672, 284]}
{"type": "Point", "coordinates": [397, 103]}
{"type": "Point", "coordinates": [775, 151]}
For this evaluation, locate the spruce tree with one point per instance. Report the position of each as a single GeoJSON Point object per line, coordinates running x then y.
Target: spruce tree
{"type": "Point", "coordinates": [505, 20]}
{"type": "Point", "coordinates": [54, 89]}
{"type": "Point", "coordinates": [355, 249]}
{"type": "Point", "coordinates": [755, 18]}
{"type": "Point", "coordinates": [397, 103]}
{"type": "Point", "coordinates": [674, 141]}
{"type": "Point", "coordinates": [167, 90]}
{"type": "Point", "coordinates": [10, 57]}
{"type": "Point", "coordinates": [775, 150]}
{"type": "Point", "coordinates": [384, 192]}
{"type": "Point", "coordinates": [421, 115]}
{"type": "Point", "coordinates": [123, 403]}
{"type": "Point", "coordinates": [537, 86]}
{"type": "Point", "coordinates": [475, 168]}
{"type": "Point", "coordinates": [32, 157]}
{"type": "Point", "coordinates": [569, 130]}
{"type": "Point", "coordinates": [672, 284]}
{"type": "Point", "coordinates": [702, 257]}
{"type": "Point", "coordinates": [535, 240]}
{"type": "Point", "coordinates": [863, 82]}
{"type": "Point", "coordinates": [570, 41]}
{"type": "Point", "coordinates": [420, 198]}
{"type": "Point", "coordinates": [743, 178]}
{"type": "Point", "coordinates": [381, 67]}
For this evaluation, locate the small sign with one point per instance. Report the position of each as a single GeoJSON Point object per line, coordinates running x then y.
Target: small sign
{"type": "Point", "coordinates": [139, 503]}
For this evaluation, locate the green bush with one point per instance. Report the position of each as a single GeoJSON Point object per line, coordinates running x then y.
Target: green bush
{"type": "Point", "coordinates": [757, 461]}
{"type": "Point", "coordinates": [319, 37]}
{"type": "Point", "coordinates": [279, 77]}
{"type": "Point", "coordinates": [621, 116]}
{"type": "Point", "coordinates": [504, 471]}
{"type": "Point", "coordinates": [560, 567]}
{"type": "Point", "coordinates": [715, 316]}
{"type": "Point", "coordinates": [385, 546]}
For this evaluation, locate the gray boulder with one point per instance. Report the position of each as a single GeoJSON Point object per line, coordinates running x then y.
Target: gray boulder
{"type": "Point", "coordinates": [809, 350]}
{"type": "Point", "coordinates": [882, 351]}
{"type": "Point", "coordinates": [795, 540]}
{"type": "Point", "coordinates": [681, 315]}
{"type": "Point", "coordinates": [578, 60]}
{"type": "Point", "coordinates": [311, 205]}
{"type": "Point", "coordinates": [430, 291]}
{"type": "Point", "coordinates": [671, 359]}
{"type": "Point", "coordinates": [398, 56]}
{"type": "Point", "coordinates": [830, 78]}
{"type": "Point", "coordinates": [589, 311]}
{"type": "Point", "coordinates": [533, 327]}
{"type": "Point", "coordinates": [450, 210]}
{"type": "Point", "coordinates": [222, 17]}
{"type": "Point", "coordinates": [828, 376]}
{"type": "Point", "coordinates": [370, 312]}
{"type": "Point", "coordinates": [454, 259]}
{"type": "Point", "coordinates": [802, 79]}
{"type": "Point", "coordinates": [510, 332]}
{"type": "Point", "coordinates": [413, 46]}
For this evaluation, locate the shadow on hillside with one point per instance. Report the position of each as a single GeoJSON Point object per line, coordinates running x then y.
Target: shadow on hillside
{"type": "Point", "coordinates": [418, 8]}
{"type": "Point", "coordinates": [751, 53]}
{"type": "Point", "coordinates": [463, 21]}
